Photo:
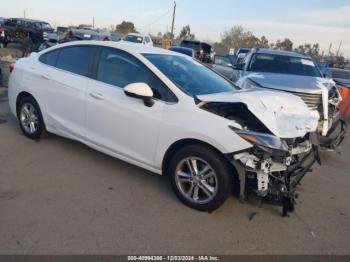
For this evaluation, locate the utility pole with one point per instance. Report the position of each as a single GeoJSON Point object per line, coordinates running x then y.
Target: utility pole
{"type": "Point", "coordinates": [172, 26]}
{"type": "Point", "coordinates": [329, 50]}
{"type": "Point", "coordinates": [93, 22]}
{"type": "Point", "coordinates": [341, 42]}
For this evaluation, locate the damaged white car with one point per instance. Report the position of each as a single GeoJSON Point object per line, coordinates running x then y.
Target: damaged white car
{"type": "Point", "coordinates": [169, 114]}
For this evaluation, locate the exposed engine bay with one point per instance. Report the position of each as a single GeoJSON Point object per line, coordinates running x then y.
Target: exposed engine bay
{"type": "Point", "coordinates": [273, 167]}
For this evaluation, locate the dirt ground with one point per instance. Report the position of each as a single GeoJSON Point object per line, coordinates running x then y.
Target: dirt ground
{"type": "Point", "coordinates": [61, 197]}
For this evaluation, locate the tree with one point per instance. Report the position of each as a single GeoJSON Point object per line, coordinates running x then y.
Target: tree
{"type": "Point", "coordinates": [286, 45]}
{"type": "Point", "coordinates": [263, 42]}
{"type": "Point", "coordinates": [238, 37]}
{"type": "Point", "coordinates": [126, 27]}
{"type": "Point", "coordinates": [185, 33]}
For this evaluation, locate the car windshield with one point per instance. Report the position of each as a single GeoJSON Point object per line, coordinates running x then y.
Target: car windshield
{"type": "Point", "coordinates": [281, 64]}
{"type": "Point", "coordinates": [341, 74]}
{"type": "Point", "coordinates": [133, 38]}
{"type": "Point", "coordinates": [46, 26]}
{"type": "Point", "coordinates": [192, 45]}
{"type": "Point", "coordinates": [190, 76]}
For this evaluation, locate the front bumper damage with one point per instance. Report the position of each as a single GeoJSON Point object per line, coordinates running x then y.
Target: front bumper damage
{"type": "Point", "coordinates": [274, 175]}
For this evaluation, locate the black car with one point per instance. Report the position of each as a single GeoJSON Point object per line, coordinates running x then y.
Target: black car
{"type": "Point", "coordinates": [203, 51]}
{"type": "Point", "coordinates": [29, 32]}
{"type": "Point", "coordinates": [183, 50]}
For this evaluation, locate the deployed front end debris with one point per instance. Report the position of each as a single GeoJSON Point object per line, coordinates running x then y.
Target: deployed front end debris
{"type": "Point", "coordinates": [273, 167]}
{"type": "Point", "coordinates": [283, 135]}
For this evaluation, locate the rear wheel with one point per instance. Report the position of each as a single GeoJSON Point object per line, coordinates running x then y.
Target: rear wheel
{"type": "Point", "coordinates": [30, 118]}
{"type": "Point", "coordinates": [200, 177]}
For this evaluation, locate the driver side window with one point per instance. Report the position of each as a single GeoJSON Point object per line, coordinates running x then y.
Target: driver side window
{"type": "Point", "coordinates": [118, 68]}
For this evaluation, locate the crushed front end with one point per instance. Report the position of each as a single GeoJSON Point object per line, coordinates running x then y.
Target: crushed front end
{"type": "Point", "coordinates": [274, 167]}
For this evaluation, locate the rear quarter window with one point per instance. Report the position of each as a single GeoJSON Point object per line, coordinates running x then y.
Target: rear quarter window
{"type": "Point", "coordinates": [77, 59]}
{"type": "Point", "coordinates": [49, 58]}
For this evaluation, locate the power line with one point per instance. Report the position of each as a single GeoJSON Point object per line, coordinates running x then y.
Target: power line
{"type": "Point", "coordinates": [159, 18]}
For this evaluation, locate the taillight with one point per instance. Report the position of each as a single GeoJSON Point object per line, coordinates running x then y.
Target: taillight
{"type": "Point", "coordinates": [11, 68]}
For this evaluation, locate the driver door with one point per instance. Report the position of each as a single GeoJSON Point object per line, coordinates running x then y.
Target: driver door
{"type": "Point", "coordinates": [119, 124]}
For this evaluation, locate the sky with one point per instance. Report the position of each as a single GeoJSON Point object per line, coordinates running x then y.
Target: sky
{"type": "Point", "coordinates": [303, 21]}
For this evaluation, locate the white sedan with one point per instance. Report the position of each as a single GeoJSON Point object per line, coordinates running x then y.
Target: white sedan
{"type": "Point", "coordinates": [164, 112]}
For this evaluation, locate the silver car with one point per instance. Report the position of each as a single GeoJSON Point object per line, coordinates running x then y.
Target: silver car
{"type": "Point", "coordinates": [295, 73]}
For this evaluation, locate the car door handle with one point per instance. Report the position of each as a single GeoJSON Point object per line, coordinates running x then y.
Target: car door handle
{"type": "Point", "coordinates": [97, 96]}
{"type": "Point", "coordinates": [46, 77]}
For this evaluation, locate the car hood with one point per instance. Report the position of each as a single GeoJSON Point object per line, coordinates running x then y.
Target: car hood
{"type": "Point", "coordinates": [343, 82]}
{"type": "Point", "coordinates": [292, 83]}
{"type": "Point", "coordinates": [285, 115]}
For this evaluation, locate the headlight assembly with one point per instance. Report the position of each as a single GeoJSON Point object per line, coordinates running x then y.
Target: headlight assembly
{"type": "Point", "coordinates": [262, 140]}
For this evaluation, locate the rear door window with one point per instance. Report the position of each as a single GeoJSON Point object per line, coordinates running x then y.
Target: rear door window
{"type": "Point", "coordinates": [77, 59]}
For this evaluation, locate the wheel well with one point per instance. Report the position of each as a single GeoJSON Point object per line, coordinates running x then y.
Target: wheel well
{"type": "Point", "coordinates": [20, 97]}
{"type": "Point", "coordinates": [180, 144]}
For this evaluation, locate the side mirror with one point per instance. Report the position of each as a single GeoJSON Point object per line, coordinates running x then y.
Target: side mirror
{"type": "Point", "coordinates": [238, 67]}
{"type": "Point", "coordinates": [141, 91]}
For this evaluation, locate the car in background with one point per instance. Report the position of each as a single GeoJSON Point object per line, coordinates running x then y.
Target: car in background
{"type": "Point", "coordinates": [297, 74]}
{"type": "Point", "coordinates": [169, 114]}
{"type": "Point", "coordinates": [243, 51]}
{"type": "Point", "coordinates": [203, 51]}
{"type": "Point", "coordinates": [27, 31]}
{"type": "Point", "coordinates": [78, 35]}
{"type": "Point", "coordinates": [223, 64]}
{"type": "Point", "coordinates": [183, 50]}
{"type": "Point", "coordinates": [342, 79]}
{"type": "Point", "coordinates": [3, 39]}
{"type": "Point", "coordinates": [138, 39]}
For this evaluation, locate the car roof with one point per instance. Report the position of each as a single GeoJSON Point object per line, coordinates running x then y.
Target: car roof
{"type": "Point", "coordinates": [136, 34]}
{"type": "Point", "coordinates": [30, 20]}
{"type": "Point", "coordinates": [126, 46]}
{"type": "Point", "coordinates": [181, 48]}
{"type": "Point", "coordinates": [280, 52]}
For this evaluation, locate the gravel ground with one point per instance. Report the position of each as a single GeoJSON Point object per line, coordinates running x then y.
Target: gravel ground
{"type": "Point", "coordinates": [61, 197]}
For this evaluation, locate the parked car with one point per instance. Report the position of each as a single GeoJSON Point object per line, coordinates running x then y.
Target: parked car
{"type": "Point", "coordinates": [27, 31]}
{"type": "Point", "coordinates": [183, 50]}
{"type": "Point", "coordinates": [78, 35]}
{"type": "Point", "coordinates": [167, 113]}
{"type": "Point", "coordinates": [223, 64]}
{"type": "Point", "coordinates": [297, 74]}
{"type": "Point", "coordinates": [138, 39]}
{"type": "Point", "coordinates": [203, 51]}
{"type": "Point", "coordinates": [3, 34]}
{"type": "Point", "coordinates": [342, 79]}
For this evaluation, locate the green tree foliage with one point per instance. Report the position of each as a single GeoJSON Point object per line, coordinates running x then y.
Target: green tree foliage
{"type": "Point", "coordinates": [126, 27]}
{"type": "Point", "coordinates": [286, 45]}
{"type": "Point", "coordinates": [186, 34]}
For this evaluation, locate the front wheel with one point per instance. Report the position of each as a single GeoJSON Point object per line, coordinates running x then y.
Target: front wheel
{"type": "Point", "coordinates": [200, 177]}
{"type": "Point", "coordinates": [30, 118]}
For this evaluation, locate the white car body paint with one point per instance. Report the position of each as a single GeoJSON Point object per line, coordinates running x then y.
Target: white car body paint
{"type": "Point", "coordinates": [287, 116]}
{"type": "Point", "coordinates": [296, 83]}
{"type": "Point", "coordinates": [104, 118]}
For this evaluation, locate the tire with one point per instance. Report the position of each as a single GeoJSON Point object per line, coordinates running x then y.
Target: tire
{"type": "Point", "coordinates": [217, 178]}
{"type": "Point", "coordinates": [30, 118]}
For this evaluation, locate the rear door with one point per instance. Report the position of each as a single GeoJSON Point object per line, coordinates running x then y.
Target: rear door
{"type": "Point", "coordinates": [63, 81]}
